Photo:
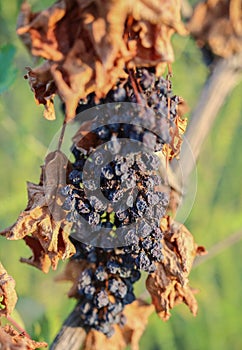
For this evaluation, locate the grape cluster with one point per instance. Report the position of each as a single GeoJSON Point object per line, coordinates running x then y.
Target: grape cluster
{"type": "Point", "coordinates": [105, 286]}
{"type": "Point", "coordinates": [154, 94]}
{"type": "Point", "coordinates": [125, 195]}
{"type": "Point", "coordinates": [114, 198]}
{"type": "Point", "coordinates": [153, 91]}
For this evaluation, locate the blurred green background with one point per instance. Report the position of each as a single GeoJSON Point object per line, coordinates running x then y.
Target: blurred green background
{"type": "Point", "coordinates": [216, 214]}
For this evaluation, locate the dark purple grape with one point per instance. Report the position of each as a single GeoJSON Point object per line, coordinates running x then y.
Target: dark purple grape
{"type": "Point", "coordinates": [141, 205]}
{"type": "Point", "coordinates": [88, 291]}
{"type": "Point", "coordinates": [85, 279]}
{"type": "Point", "coordinates": [107, 172]}
{"type": "Point", "coordinates": [129, 298]}
{"type": "Point", "coordinates": [143, 261]}
{"type": "Point", "coordinates": [113, 285]}
{"type": "Point", "coordinates": [83, 208]}
{"type": "Point", "coordinates": [102, 299]}
{"type": "Point", "coordinates": [97, 204]}
{"type": "Point", "coordinates": [147, 243]}
{"type": "Point", "coordinates": [103, 132]}
{"type": "Point", "coordinates": [101, 274]}
{"type": "Point", "coordinates": [113, 267]}
{"type": "Point", "coordinates": [85, 307]}
{"type": "Point", "coordinates": [93, 218]}
{"type": "Point", "coordinates": [75, 177]}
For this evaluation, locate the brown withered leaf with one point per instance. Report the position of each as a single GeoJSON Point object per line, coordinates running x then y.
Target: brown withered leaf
{"type": "Point", "coordinates": [137, 315]}
{"type": "Point", "coordinates": [89, 44]}
{"type": "Point", "coordinates": [84, 138]}
{"type": "Point", "coordinates": [25, 17]}
{"type": "Point", "coordinates": [172, 149]}
{"type": "Point", "coordinates": [8, 296]}
{"type": "Point", "coordinates": [44, 88]}
{"type": "Point", "coordinates": [10, 339]}
{"type": "Point", "coordinates": [42, 224]}
{"type": "Point", "coordinates": [96, 340]}
{"type": "Point", "coordinates": [168, 285]}
{"type": "Point", "coordinates": [218, 24]}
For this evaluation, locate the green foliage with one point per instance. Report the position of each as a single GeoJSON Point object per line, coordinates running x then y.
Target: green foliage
{"type": "Point", "coordinates": [8, 70]}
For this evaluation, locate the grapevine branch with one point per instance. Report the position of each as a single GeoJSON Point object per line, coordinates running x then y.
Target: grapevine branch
{"type": "Point", "coordinates": [71, 335]}
{"type": "Point", "coordinates": [221, 82]}
{"type": "Point", "coordinates": [18, 327]}
{"type": "Point", "coordinates": [219, 247]}
{"type": "Point", "coordinates": [225, 76]}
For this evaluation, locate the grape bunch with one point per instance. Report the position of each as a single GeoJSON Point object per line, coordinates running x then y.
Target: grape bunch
{"type": "Point", "coordinates": [114, 197]}
{"type": "Point", "coordinates": [105, 286]}
{"type": "Point", "coordinates": [152, 91]}
{"type": "Point", "coordinates": [106, 209]}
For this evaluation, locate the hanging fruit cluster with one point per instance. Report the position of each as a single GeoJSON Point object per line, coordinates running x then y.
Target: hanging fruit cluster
{"type": "Point", "coordinates": [96, 53]}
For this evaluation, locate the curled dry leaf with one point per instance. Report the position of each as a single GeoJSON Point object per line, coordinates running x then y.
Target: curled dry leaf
{"type": "Point", "coordinates": [42, 224]}
{"type": "Point", "coordinates": [88, 45]}
{"type": "Point", "coordinates": [44, 88]}
{"type": "Point", "coordinates": [172, 149]}
{"type": "Point", "coordinates": [218, 24]}
{"type": "Point", "coordinates": [8, 296]}
{"type": "Point", "coordinates": [168, 285]}
{"type": "Point", "coordinates": [10, 339]}
{"type": "Point", "coordinates": [137, 315]}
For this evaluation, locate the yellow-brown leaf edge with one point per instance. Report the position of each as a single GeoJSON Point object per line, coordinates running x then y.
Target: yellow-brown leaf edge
{"type": "Point", "coordinates": [43, 225]}
{"type": "Point", "coordinates": [169, 284]}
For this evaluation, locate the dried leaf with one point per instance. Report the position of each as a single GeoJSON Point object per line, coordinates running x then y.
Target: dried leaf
{"type": "Point", "coordinates": [218, 24]}
{"type": "Point", "coordinates": [137, 315]}
{"type": "Point", "coordinates": [172, 149]}
{"type": "Point", "coordinates": [44, 88]}
{"type": "Point", "coordinates": [24, 18]}
{"type": "Point", "coordinates": [168, 285]}
{"type": "Point", "coordinates": [42, 224]}
{"type": "Point", "coordinates": [8, 296]}
{"type": "Point", "coordinates": [96, 340]}
{"type": "Point", "coordinates": [10, 339]}
{"type": "Point", "coordinates": [84, 138]}
{"type": "Point", "coordinates": [89, 44]}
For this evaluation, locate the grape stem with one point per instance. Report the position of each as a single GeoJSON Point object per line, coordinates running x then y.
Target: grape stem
{"type": "Point", "coordinates": [225, 76]}
{"type": "Point", "coordinates": [133, 82]}
{"type": "Point", "coordinates": [18, 327]}
{"type": "Point", "coordinates": [61, 135]}
{"type": "Point", "coordinates": [71, 335]}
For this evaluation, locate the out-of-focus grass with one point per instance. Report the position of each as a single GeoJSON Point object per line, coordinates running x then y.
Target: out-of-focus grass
{"type": "Point", "coordinates": [216, 214]}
